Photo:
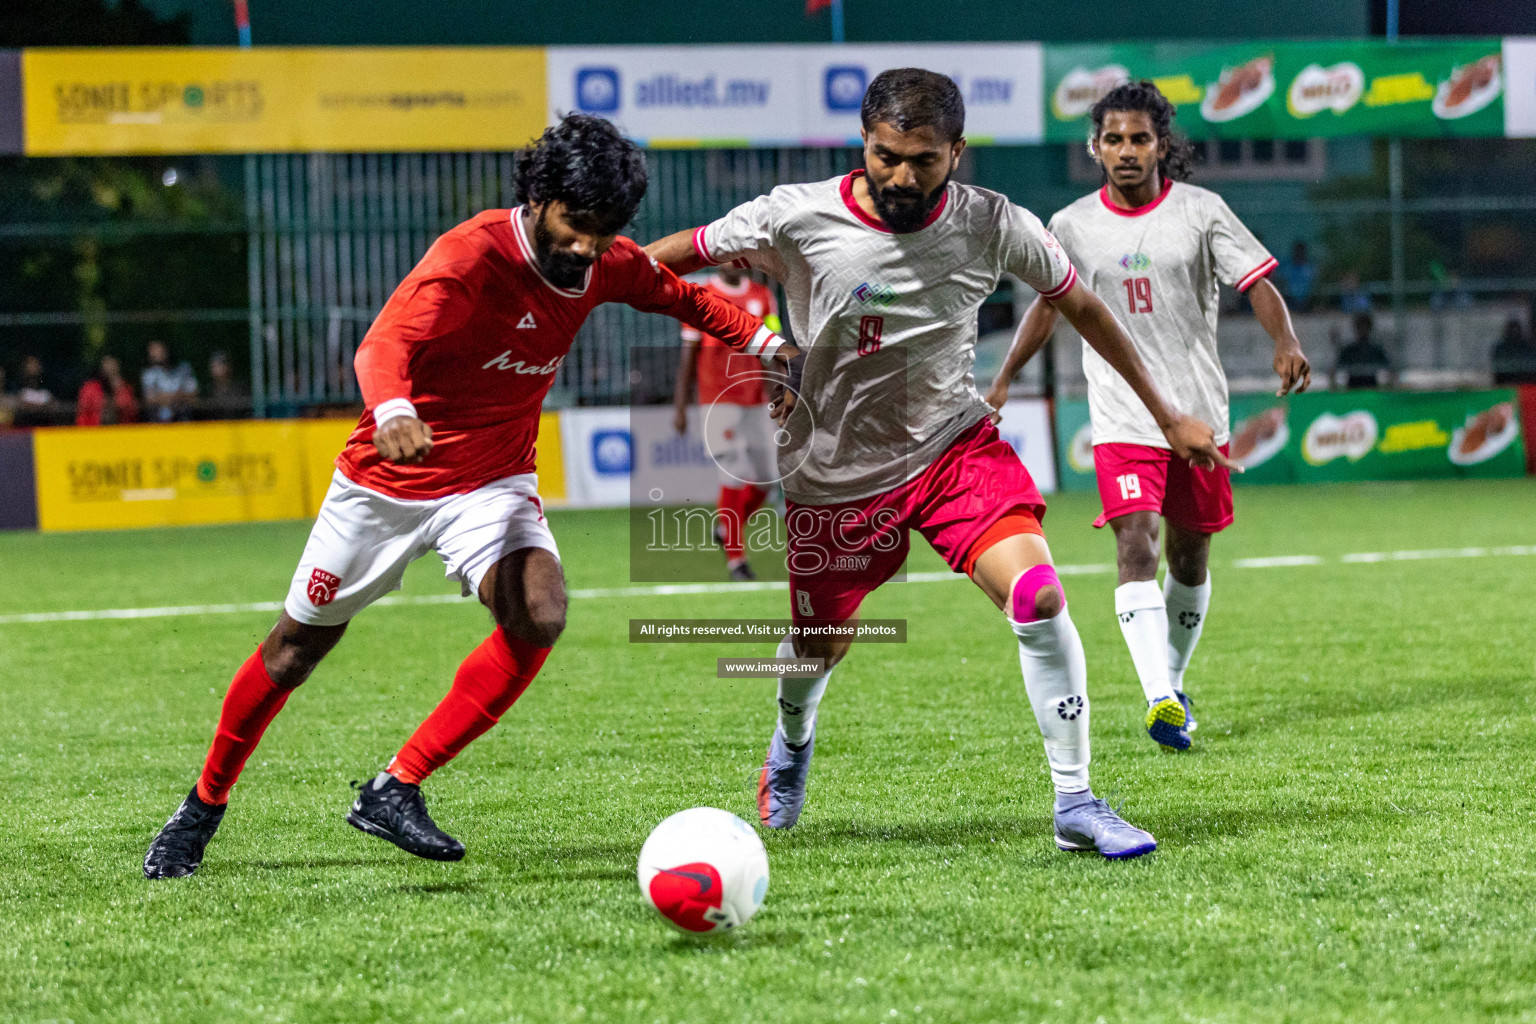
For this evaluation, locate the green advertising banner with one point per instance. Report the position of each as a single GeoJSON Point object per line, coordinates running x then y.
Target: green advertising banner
{"type": "Point", "coordinates": [1290, 89]}
{"type": "Point", "coordinates": [1074, 448]}
{"type": "Point", "coordinates": [1347, 435]}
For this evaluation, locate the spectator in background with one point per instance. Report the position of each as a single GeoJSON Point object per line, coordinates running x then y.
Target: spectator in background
{"type": "Point", "coordinates": [1353, 299]}
{"type": "Point", "coordinates": [1299, 276]}
{"type": "Point", "coordinates": [35, 405]}
{"type": "Point", "coordinates": [106, 398]}
{"type": "Point", "coordinates": [1362, 363]}
{"type": "Point", "coordinates": [226, 398]}
{"type": "Point", "coordinates": [1514, 356]}
{"type": "Point", "coordinates": [168, 391]}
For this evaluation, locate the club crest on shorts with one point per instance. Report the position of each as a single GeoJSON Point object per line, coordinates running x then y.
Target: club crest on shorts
{"type": "Point", "coordinates": [322, 587]}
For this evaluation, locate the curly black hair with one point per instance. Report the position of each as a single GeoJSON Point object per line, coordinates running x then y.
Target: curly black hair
{"type": "Point", "coordinates": [1143, 96]}
{"type": "Point", "coordinates": [912, 98]}
{"type": "Point", "coordinates": [584, 163]}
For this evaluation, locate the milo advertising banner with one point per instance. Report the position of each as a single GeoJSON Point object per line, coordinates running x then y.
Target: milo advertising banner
{"type": "Point", "coordinates": [1290, 89]}
{"type": "Point", "coordinates": [1348, 435]}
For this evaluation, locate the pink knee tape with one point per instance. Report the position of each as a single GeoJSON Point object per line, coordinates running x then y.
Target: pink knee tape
{"type": "Point", "coordinates": [1028, 586]}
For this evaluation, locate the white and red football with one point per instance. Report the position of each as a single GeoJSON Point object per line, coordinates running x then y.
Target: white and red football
{"type": "Point", "coordinates": [704, 870]}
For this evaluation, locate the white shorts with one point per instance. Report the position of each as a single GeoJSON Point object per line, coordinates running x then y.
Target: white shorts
{"type": "Point", "coordinates": [363, 540]}
{"type": "Point", "coordinates": [740, 441]}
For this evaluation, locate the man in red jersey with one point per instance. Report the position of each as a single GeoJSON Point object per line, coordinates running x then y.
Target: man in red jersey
{"type": "Point", "coordinates": [454, 372]}
{"type": "Point", "coordinates": [734, 407]}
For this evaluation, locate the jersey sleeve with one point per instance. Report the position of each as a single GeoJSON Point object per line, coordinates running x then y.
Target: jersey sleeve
{"type": "Point", "coordinates": [748, 236]}
{"type": "Point", "coordinates": [1241, 259]}
{"type": "Point", "coordinates": [1033, 255]}
{"type": "Point", "coordinates": [418, 312]}
{"type": "Point", "coordinates": [641, 282]}
{"type": "Point", "coordinates": [691, 335]}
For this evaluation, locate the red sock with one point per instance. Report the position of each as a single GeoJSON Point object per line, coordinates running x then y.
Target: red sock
{"type": "Point", "coordinates": [250, 705]}
{"type": "Point", "coordinates": [755, 498]}
{"type": "Point", "coordinates": [493, 676]}
{"type": "Point", "coordinates": [733, 502]}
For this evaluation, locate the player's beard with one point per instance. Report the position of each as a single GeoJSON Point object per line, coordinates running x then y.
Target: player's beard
{"type": "Point", "coordinates": [561, 269]}
{"type": "Point", "coordinates": [905, 209]}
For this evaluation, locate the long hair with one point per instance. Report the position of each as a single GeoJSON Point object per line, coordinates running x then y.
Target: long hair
{"type": "Point", "coordinates": [1144, 97]}
{"type": "Point", "coordinates": [586, 164]}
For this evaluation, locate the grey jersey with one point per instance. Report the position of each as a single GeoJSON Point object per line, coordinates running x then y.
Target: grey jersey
{"type": "Point", "coordinates": [887, 322]}
{"type": "Point", "coordinates": [1157, 269]}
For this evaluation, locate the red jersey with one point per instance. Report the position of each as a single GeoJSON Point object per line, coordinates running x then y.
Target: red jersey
{"type": "Point", "coordinates": [470, 342]}
{"type": "Point", "coordinates": [91, 404]}
{"type": "Point", "coordinates": [719, 366]}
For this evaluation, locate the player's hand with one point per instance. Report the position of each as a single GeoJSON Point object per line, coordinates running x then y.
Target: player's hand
{"type": "Point", "coordinates": [1196, 442]}
{"type": "Point", "coordinates": [1293, 368]}
{"type": "Point", "coordinates": [997, 397]}
{"type": "Point", "coordinates": [782, 405]}
{"type": "Point", "coordinates": [785, 353]}
{"type": "Point", "coordinates": [680, 420]}
{"type": "Point", "coordinates": [404, 439]}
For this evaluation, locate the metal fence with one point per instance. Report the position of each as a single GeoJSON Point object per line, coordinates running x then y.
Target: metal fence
{"type": "Point", "coordinates": [325, 238]}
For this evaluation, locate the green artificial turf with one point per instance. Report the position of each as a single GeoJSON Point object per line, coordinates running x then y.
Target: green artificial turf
{"type": "Point", "coordinates": [1350, 839]}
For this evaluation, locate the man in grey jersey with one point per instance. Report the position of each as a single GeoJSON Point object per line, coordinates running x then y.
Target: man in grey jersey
{"type": "Point", "coordinates": [884, 271]}
{"type": "Point", "coordinates": [1154, 248]}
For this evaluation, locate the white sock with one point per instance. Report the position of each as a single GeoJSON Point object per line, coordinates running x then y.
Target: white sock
{"type": "Point", "coordinates": [1186, 617]}
{"type": "Point", "coordinates": [1144, 624]}
{"type": "Point", "coordinates": [798, 699]}
{"type": "Point", "coordinates": [1056, 680]}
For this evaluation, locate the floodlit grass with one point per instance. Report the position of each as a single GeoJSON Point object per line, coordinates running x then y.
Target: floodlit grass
{"type": "Point", "coordinates": [1350, 839]}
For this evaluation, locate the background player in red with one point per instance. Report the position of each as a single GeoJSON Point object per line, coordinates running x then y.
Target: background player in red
{"type": "Point", "coordinates": [1154, 249]}
{"type": "Point", "coordinates": [454, 372]}
{"type": "Point", "coordinates": [733, 410]}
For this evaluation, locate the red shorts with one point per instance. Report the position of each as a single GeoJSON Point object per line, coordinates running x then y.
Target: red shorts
{"type": "Point", "coordinates": [839, 553]}
{"type": "Point", "coordinates": [1143, 478]}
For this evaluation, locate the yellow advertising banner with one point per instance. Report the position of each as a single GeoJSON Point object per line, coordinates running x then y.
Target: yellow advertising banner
{"type": "Point", "coordinates": [111, 478]}
{"type": "Point", "coordinates": [323, 441]}
{"type": "Point", "coordinates": [180, 475]}
{"type": "Point", "coordinates": [122, 477]}
{"type": "Point", "coordinates": [549, 460]}
{"type": "Point", "coordinates": [104, 101]}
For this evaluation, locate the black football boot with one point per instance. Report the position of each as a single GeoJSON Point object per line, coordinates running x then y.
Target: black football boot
{"type": "Point", "coordinates": [395, 810]}
{"type": "Point", "coordinates": [178, 850]}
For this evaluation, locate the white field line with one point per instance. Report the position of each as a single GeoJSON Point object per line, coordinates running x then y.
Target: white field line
{"type": "Point", "coordinates": [1413, 556]}
{"type": "Point", "coordinates": [1278, 562]}
{"type": "Point", "coordinates": [672, 589]}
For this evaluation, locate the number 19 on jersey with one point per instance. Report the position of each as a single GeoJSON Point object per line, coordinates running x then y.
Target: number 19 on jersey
{"type": "Point", "coordinates": [1138, 294]}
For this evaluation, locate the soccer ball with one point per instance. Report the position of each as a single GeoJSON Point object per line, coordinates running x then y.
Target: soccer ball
{"type": "Point", "coordinates": [704, 870]}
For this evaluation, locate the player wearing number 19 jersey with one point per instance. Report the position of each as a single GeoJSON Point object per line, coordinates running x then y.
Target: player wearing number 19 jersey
{"type": "Point", "coordinates": [884, 271]}
{"type": "Point", "coordinates": [1154, 248]}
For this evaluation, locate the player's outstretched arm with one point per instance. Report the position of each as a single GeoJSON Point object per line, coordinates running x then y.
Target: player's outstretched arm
{"type": "Point", "coordinates": [659, 290]}
{"type": "Point", "coordinates": [1290, 363]}
{"type": "Point", "coordinates": [1189, 438]}
{"type": "Point", "coordinates": [676, 253]}
{"type": "Point", "coordinates": [1034, 331]}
